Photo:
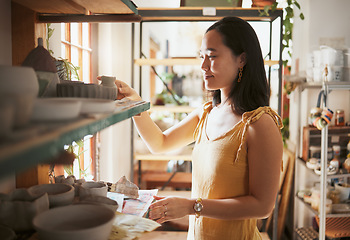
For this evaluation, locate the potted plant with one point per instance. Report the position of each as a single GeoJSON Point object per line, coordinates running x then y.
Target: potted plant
{"type": "Point", "coordinates": [288, 7]}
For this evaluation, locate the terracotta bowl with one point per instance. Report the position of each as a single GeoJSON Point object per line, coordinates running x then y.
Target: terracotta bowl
{"type": "Point", "coordinates": [60, 194]}
{"type": "Point", "coordinates": [82, 221]}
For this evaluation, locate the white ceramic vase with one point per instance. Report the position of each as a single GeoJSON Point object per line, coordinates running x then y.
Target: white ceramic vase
{"type": "Point", "coordinates": [19, 85]}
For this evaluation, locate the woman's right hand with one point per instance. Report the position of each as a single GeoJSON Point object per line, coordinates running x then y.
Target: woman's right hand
{"type": "Point", "coordinates": [124, 90]}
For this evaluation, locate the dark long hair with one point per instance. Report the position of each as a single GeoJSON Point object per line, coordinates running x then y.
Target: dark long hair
{"type": "Point", "coordinates": [252, 91]}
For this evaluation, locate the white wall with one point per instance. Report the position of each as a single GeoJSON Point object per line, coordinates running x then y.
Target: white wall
{"type": "Point", "coordinates": [115, 60]}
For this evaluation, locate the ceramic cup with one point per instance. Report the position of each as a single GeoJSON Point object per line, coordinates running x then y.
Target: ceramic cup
{"type": "Point", "coordinates": [108, 81]}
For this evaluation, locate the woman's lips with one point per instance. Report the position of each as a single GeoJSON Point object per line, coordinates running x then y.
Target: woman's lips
{"type": "Point", "coordinates": [206, 77]}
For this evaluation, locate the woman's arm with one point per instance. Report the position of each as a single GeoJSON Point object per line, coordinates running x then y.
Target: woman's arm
{"type": "Point", "coordinates": [157, 141]}
{"type": "Point", "coordinates": [265, 149]}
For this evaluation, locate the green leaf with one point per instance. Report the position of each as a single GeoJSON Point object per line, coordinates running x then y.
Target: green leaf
{"type": "Point", "coordinates": [301, 16]}
{"type": "Point", "coordinates": [297, 4]}
{"type": "Point", "coordinates": [290, 12]}
{"type": "Point", "coordinates": [266, 10]}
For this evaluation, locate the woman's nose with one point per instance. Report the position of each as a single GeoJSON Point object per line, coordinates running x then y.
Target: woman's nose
{"type": "Point", "coordinates": [205, 64]}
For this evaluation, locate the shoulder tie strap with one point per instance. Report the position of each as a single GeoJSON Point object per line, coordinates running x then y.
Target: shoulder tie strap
{"type": "Point", "coordinates": [251, 117]}
{"type": "Point", "coordinates": [206, 109]}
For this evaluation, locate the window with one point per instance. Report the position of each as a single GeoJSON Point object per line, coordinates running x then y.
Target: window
{"type": "Point", "coordinates": [76, 48]}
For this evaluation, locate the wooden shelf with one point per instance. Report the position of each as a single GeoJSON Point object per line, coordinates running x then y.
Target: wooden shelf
{"type": "Point", "coordinates": [163, 157]}
{"type": "Point", "coordinates": [51, 138]}
{"type": "Point", "coordinates": [181, 61]}
{"type": "Point", "coordinates": [80, 6]}
{"type": "Point", "coordinates": [196, 14]}
{"type": "Point", "coordinates": [173, 109]}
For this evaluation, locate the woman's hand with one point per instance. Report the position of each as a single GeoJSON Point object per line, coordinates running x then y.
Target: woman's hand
{"type": "Point", "coordinates": [125, 91]}
{"type": "Point", "coordinates": [165, 209]}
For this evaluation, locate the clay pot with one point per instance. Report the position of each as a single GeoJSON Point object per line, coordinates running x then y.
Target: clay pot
{"type": "Point", "coordinates": [262, 3]}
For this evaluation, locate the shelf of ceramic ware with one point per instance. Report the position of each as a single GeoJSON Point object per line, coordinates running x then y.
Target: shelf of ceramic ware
{"type": "Point", "coordinates": [329, 215]}
{"type": "Point", "coordinates": [304, 84]}
{"type": "Point", "coordinates": [48, 138]}
{"type": "Point", "coordinates": [329, 176]}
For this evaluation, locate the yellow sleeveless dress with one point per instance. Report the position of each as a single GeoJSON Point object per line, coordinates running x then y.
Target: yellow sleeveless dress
{"type": "Point", "coordinates": [220, 170]}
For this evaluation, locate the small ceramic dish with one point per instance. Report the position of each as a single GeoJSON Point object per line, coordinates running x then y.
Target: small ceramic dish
{"type": "Point", "coordinates": [92, 189]}
{"type": "Point", "coordinates": [81, 221]}
{"type": "Point", "coordinates": [60, 194]}
{"type": "Point", "coordinates": [55, 109]}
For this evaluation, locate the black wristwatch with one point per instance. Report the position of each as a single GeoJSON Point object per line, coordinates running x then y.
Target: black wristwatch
{"type": "Point", "coordinates": [198, 207]}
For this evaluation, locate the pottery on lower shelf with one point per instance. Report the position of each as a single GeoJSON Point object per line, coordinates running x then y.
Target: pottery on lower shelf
{"type": "Point", "coordinates": [60, 194]}
{"type": "Point", "coordinates": [81, 221]}
{"type": "Point", "coordinates": [91, 188]}
{"type": "Point", "coordinates": [18, 209]}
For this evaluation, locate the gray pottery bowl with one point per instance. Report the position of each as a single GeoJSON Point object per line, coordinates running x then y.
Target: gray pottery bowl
{"type": "Point", "coordinates": [82, 221]}
{"type": "Point", "coordinates": [60, 194]}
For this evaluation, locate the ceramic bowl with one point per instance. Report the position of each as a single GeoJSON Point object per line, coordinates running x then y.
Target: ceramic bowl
{"type": "Point", "coordinates": [81, 221]}
{"type": "Point", "coordinates": [60, 194]}
{"type": "Point", "coordinates": [18, 208]}
{"type": "Point", "coordinates": [20, 85]}
{"type": "Point", "coordinates": [55, 109]}
{"type": "Point", "coordinates": [92, 189]}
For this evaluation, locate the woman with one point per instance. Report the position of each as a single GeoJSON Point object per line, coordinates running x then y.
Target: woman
{"type": "Point", "coordinates": [238, 146]}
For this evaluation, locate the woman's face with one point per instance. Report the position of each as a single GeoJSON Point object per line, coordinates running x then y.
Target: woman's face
{"type": "Point", "coordinates": [219, 65]}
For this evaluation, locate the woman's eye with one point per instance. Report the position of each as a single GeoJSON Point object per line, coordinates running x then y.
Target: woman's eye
{"type": "Point", "coordinates": [211, 57]}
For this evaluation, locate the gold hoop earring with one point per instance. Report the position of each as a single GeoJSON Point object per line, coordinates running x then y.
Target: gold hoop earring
{"type": "Point", "coordinates": [240, 74]}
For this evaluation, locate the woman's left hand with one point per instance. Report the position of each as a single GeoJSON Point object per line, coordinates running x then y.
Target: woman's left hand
{"type": "Point", "coordinates": [168, 208]}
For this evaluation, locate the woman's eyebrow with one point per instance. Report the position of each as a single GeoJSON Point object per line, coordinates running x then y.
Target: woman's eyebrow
{"type": "Point", "coordinates": [208, 49]}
